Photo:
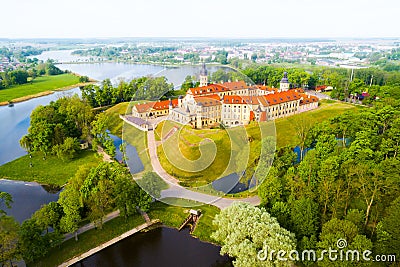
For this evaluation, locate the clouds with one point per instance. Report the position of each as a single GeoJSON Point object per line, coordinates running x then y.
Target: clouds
{"type": "Point", "coordinates": [214, 18]}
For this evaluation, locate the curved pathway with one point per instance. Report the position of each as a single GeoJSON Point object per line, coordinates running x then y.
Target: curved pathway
{"type": "Point", "coordinates": [177, 191]}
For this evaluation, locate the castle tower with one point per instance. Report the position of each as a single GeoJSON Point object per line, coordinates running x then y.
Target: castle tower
{"type": "Point", "coordinates": [284, 84]}
{"type": "Point", "coordinates": [203, 76]}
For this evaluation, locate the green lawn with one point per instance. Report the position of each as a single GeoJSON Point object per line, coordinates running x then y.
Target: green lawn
{"type": "Point", "coordinates": [116, 123]}
{"type": "Point", "coordinates": [88, 240]}
{"type": "Point", "coordinates": [39, 85]}
{"type": "Point", "coordinates": [173, 216]}
{"type": "Point", "coordinates": [114, 112]}
{"type": "Point", "coordinates": [52, 171]}
{"type": "Point", "coordinates": [235, 149]}
{"type": "Point", "coordinates": [285, 127]}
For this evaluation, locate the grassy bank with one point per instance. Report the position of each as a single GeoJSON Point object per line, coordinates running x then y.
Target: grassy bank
{"type": "Point", "coordinates": [116, 123]}
{"type": "Point", "coordinates": [41, 85]}
{"type": "Point", "coordinates": [123, 108]}
{"type": "Point", "coordinates": [285, 127]}
{"type": "Point", "coordinates": [52, 171]}
{"type": "Point", "coordinates": [173, 216]}
{"type": "Point", "coordinates": [207, 154]}
{"type": "Point", "coordinates": [88, 240]}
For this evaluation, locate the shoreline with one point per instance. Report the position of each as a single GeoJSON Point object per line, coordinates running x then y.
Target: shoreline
{"type": "Point", "coordinates": [169, 65]}
{"type": "Point", "coordinates": [44, 93]}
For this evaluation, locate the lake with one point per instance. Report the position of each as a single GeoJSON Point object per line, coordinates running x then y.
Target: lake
{"type": "Point", "coordinates": [159, 247]}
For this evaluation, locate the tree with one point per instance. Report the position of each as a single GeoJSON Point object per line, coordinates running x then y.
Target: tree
{"type": "Point", "coordinates": [152, 184]}
{"type": "Point", "coordinates": [98, 189]}
{"type": "Point", "coordinates": [350, 239]}
{"type": "Point", "coordinates": [101, 135]}
{"type": "Point", "coordinates": [5, 200]}
{"type": "Point", "coordinates": [8, 239]}
{"type": "Point", "coordinates": [33, 244]}
{"type": "Point", "coordinates": [302, 127]}
{"type": "Point", "coordinates": [129, 196]}
{"type": "Point", "coordinates": [49, 215]}
{"type": "Point", "coordinates": [271, 188]}
{"type": "Point", "coordinates": [304, 217]}
{"type": "Point", "coordinates": [68, 149]}
{"type": "Point", "coordinates": [70, 201]}
{"type": "Point", "coordinates": [19, 76]}
{"type": "Point", "coordinates": [327, 175]}
{"type": "Point", "coordinates": [83, 79]}
{"type": "Point", "coordinates": [248, 233]}
{"type": "Point", "coordinates": [188, 83]}
{"type": "Point", "coordinates": [388, 232]}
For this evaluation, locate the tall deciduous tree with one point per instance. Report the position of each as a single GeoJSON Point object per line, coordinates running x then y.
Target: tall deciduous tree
{"type": "Point", "coordinates": [71, 204]}
{"type": "Point", "coordinates": [244, 231]}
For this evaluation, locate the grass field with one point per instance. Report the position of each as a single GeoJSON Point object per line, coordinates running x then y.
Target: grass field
{"type": "Point", "coordinates": [285, 127]}
{"type": "Point", "coordinates": [39, 85]}
{"type": "Point", "coordinates": [88, 240]}
{"type": "Point", "coordinates": [236, 149]}
{"type": "Point", "coordinates": [52, 171]}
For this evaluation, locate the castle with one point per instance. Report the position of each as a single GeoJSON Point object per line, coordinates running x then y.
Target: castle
{"type": "Point", "coordinates": [230, 104]}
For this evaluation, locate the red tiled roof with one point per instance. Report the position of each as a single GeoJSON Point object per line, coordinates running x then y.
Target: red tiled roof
{"type": "Point", "coordinates": [320, 88]}
{"type": "Point", "coordinates": [213, 96]}
{"type": "Point", "coordinates": [235, 99]}
{"type": "Point", "coordinates": [209, 100]}
{"type": "Point", "coordinates": [235, 85]}
{"type": "Point", "coordinates": [307, 99]}
{"type": "Point", "coordinates": [265, 88]}
{"type": "Point", "coordinates": [159, 105]}
{"type": "Point", "coordinates": [282, 97]}
{"type": "Point", "coordinates": [209, 89]}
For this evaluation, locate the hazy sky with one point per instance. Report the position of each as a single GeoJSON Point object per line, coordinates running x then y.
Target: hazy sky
{"type": "Point", "coordinates": [203, 18]}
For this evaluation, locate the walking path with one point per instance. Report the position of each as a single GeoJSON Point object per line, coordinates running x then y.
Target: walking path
{"type": "Point", "coordinates": [177, 191]}
{"type": "Point", "coordinates": [108, 243]}
{"type": "Point", "coordinates": [91, 225]}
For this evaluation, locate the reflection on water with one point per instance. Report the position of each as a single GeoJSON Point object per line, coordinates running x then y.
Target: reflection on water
{"type": "Point", "coordinates": [132, 157]}
{"type": "Point", "coordinates": [159, 247]}
{"type": "Point", "coordinates": [27, 198]}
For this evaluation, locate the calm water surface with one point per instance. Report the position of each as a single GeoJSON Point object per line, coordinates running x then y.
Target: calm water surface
{"type": "Point", "coordinates": [27, 198]}
{"type": "Point", "coordinates": [159, 247]}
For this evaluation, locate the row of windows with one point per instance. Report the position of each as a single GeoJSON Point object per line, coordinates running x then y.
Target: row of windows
{"type": "Point", "coordinates": [235, 117]}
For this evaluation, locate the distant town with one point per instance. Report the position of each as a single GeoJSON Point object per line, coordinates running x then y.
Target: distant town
{"type": "Point", "coordinates": [345, 53]}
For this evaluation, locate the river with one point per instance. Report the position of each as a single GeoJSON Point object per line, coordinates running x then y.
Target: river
{"type": "Point", "coordinates": [159, 247]}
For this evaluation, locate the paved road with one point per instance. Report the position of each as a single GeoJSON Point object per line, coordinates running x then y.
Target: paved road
{"type": "Point", "coordinates": [319, 95]}
{"type": "Point", "coordinates": [177, 191]}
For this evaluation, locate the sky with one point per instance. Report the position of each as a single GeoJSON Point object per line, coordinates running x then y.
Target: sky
{"type": "Point", "coordinates": [204, 18]}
